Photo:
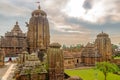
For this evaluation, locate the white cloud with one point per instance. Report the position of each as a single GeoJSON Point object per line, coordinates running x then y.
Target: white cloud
{"type": "Point", "coordinates": [9, 9]}
{"type": "Point", "coordinates": [74, 8]}
{"type": "Point", "coordinates": [97, 13]}
{"type": "Point", "coordinates": [58, 14]}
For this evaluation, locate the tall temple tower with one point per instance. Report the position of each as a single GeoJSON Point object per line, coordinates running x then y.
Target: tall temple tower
{"type": "Point", "coordinates": [38, 34]}
{"type": "Point", "coordinates": [103, 45]}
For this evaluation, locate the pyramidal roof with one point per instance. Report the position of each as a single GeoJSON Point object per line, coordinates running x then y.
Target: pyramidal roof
{"type": "Point", "coordinates": [16, 28]}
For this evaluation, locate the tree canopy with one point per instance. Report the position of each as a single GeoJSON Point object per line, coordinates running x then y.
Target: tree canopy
{"type": "Point", "coordinates": [107, 67]}
{"type": "Point", "coordinates": [72, 48]}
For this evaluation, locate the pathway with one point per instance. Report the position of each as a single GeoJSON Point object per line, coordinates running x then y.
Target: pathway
{"type": "Point", "coordinates": [9, 73]}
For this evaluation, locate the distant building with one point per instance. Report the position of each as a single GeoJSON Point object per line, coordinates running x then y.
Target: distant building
{"type": "Point", "coordinates": [101, 50]}
{"type": "Point", "coordinates": [72, 59]}
{"type": "Point", "coordinates": [13, 42]}
{"type": "Point", "coordinates": [89, 55]}
{"type": "Point", "coordinates": [77, 59]}
{"type": "Point", "coordinates": [68, 60]}
{"type": "Point", "coordinates": [104, 46]}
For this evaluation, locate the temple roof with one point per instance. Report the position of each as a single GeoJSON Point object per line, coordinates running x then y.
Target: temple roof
{"type": "Point", "coordinates": [68, 55]}
{"type": "Point", "coordinates": [55, 45]}
{"type": "Point", "coordinates": [89, 45]}
{"type": "Point", "coordinates": [77, 55]}
{"type": "Point", "coordinates": [39, 11]}
{"type": "Point", "coordinates": [16, 28]}
{"type": "Point", "coordinates": [102, 34]}
{"type": "Point", "coordinates": [89, 51]}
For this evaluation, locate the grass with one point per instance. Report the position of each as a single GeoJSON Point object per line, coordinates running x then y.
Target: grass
{"type": "Point", "coordinates": [90, 74]}
{"type": "Point", "coordinates": [117, 57]}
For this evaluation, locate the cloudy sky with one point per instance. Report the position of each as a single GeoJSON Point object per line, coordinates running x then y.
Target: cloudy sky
{"type": "Point", "coordinates": [71, 21]}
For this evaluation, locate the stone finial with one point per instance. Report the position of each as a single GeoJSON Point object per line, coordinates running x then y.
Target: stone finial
{"type": "Point", "coordinates": [16, 22]}
{"type": "Point", "coordinates": [38, 4]}
{"type": "Point", "coordinates": [39, 7]}
{"type": "Point", "coordinates": [102, 31]}
{"type": "Point", "coordinates": [55, 45]}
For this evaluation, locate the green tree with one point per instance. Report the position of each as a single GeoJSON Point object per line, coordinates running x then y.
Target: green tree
{"type": "Point", "coordinates": [114, 46]}
{"type": "Point", "coordinates": [107, 67]}
{"type": "Point", "coordinates": [78, 45]}
{"type": "Point", "coordinates": [64, 46]}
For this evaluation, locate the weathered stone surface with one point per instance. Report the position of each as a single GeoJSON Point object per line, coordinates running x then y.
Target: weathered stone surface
{"type": "Point", "coordinates": [55, 62]}
{"type": "Point", "coordinates": [38, 34]}
{"type": "Point", "coordinates": [14, 42]}
{"type": "Point", "coordinates": [104, 46]}
{"type": "Point", "coordinates": [31, 68]}
{"type": "Point", "coordinates": [2, 55]}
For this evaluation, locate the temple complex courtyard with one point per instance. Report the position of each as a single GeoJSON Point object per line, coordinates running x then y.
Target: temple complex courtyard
{"type": "Point", "coordinates": [59, 40]}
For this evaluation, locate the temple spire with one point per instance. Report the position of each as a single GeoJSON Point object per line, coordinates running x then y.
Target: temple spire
{"type": "Point", "coordinates": [16, 28]}
{"type": "Point", "coordinates": [38, 4]}
{"type": "Point", "coordinates": [16, 22]}
{"type": "Point", "coordinates": [102, 31]}
{"type": "Point", "coordinates": [39, 7]}
{"type": "Point", "coordinates": [38, 34]}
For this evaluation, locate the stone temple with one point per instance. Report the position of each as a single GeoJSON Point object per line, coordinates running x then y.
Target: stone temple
{"type": "Point", "coordinates": [14, 41]}
{"type": "Point", "coordinates": [104, 46]}
{"type": "Point", "coordinates": [51, 68]}
{"type": "Point", "coordinates": [38, 35]}
{"type": "Point", "coordinates": [44, 61]}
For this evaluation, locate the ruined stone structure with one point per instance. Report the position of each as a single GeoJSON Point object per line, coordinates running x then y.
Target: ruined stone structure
{"type": "Point", "coordinates": [30, 68]}
{"type": "Point", "coordinates": [13, 42]}
{"type": "Point", "coordinates": [55, 62]}
{"type": "Point", "coordinates": [38, 35]}
{"type": "Point", "coordinates": [104, 46]}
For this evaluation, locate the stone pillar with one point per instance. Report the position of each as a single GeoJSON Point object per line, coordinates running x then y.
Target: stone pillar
{"type": "Point", "coordinates": [2, 56]}
{"type": "Point", "coordinates": [23, 57]}
{"type": "Point", "coordinates": [55, 62]}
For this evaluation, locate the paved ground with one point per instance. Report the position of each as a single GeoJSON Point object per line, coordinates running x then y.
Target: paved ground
{"type": "Point", "coordinates": [7, 71]}
{"type": "Point", "coordinates": [4, 69]}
